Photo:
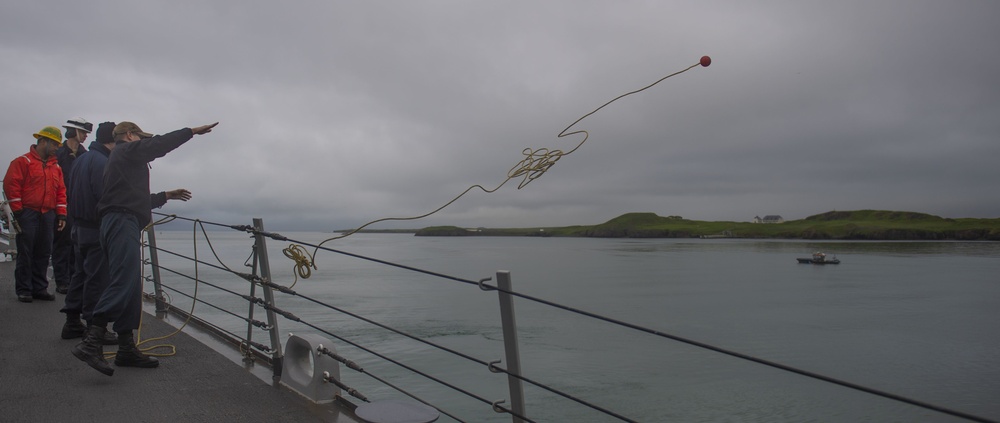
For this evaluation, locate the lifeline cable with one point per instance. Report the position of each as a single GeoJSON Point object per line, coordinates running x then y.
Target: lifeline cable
{"type": "Point", "coordinates": [732, 353]}
{"type": "Point", "coordinates": [534, 164]}
{"type": "Point", "coordinates": [486, 287]}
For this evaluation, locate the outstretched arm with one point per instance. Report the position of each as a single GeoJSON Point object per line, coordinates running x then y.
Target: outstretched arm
{"type": "Point", "coordinates": [204, 129]}
{"type": "Point", "coordinates": [157, 200]}
{"type": "Point", "coordinates": [179, 194]}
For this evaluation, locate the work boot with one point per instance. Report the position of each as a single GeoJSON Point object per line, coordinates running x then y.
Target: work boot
{"type": "Point", "coordinates": [91, 351]}
{"type": "Point", "coordinates": [73, 328]}
{"type": "Point", "coordinates": [44, 296]}
{"type": "Point", "coordinates": [130, 356]}
{"type": "Point", "coordinates": [109, 338]}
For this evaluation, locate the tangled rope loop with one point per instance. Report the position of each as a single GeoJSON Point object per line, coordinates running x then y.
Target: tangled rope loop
{"type": "Point", "coordinates": [534, 164]}
{"type": "Point", "coordinates": [302, 259]}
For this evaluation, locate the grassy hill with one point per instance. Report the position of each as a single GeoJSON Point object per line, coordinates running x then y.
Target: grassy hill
{"type": "Point", "coordinates": [855, 225]}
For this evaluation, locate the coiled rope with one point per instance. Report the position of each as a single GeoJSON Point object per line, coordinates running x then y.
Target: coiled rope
{"type": "Point", "coordinates": [302, 261]}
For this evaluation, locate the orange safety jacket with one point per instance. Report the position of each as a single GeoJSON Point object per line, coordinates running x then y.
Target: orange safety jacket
{"type": "Point", "coordinates": [31, 183]}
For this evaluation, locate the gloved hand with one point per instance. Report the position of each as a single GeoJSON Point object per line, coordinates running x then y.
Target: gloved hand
{"type": "Point", "coordinates": [16, 224]}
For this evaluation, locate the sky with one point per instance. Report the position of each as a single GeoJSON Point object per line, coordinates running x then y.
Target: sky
{"type": "Point", "coordinates": [336, 114]}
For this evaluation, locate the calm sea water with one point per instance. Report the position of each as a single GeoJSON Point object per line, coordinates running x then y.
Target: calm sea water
{"type": "Point", "coordinates": [917, 319]}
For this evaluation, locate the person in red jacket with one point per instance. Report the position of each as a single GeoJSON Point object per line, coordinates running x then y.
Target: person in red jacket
{"type": "Point", "coordinates": [37, 197]}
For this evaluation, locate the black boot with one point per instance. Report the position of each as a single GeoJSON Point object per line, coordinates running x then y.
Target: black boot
{"type": "Point", "coordinates": [130, 356]}
{"type": "Point", "coordinates": [73, 328]}
{"type": "Point", "coordinates": [110, 338]}
{"type": "Point", "coordinates": [91, 351]}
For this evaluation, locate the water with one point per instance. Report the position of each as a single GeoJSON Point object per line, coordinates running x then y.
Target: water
{"type": "Point", "coordinates": [916, 319]}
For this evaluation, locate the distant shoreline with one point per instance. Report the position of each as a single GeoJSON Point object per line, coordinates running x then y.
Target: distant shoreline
{"type": "Point", "coordinates": [834, 225]}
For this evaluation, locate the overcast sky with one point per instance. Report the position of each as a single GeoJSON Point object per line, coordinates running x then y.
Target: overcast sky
{"type": "Point", "coordinates": [334, 114]}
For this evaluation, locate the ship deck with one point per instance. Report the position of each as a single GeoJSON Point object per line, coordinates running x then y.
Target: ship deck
{"type": "Point", "coordinates": [40, 380]}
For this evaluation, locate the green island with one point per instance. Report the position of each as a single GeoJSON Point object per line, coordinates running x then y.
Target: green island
{"type": "Point", "coordinates": [839, 225]}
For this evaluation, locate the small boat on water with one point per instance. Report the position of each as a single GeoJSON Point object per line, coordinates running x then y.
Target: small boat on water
{"type": "Point", "coordinates": [819, 258]}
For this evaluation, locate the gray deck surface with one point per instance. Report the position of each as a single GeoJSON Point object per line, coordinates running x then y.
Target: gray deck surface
{"type": "Point", "coordinates": [41, 381]}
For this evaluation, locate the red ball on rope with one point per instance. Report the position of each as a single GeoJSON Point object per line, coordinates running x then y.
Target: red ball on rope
{"type": "Point", "coordinates": [705, 61]}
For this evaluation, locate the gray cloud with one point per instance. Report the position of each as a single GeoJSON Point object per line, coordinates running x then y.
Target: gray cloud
{"type": "Point", "coordinates": [333, 115]}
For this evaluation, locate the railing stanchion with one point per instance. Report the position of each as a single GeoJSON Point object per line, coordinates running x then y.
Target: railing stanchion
{"type": "Point", "coordinates": [511, 350]}
{"type": "Point", "coordinates": [161, 308]}
{"type": "Point", "coordinates": [265, 274]}
{"type": "Point", "coordinates": [248, 358]}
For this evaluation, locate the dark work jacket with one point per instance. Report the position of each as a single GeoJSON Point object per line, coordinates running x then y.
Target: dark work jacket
{"type": "Point", "coordinates": [86, 184]}
{"type": "Point", "coordinates": [67, 157]}
{"type": "Point", "coordinates": [126, 176]}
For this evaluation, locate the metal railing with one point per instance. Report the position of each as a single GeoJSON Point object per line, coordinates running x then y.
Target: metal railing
{"type": "Point", "coordinates": [262, 292]}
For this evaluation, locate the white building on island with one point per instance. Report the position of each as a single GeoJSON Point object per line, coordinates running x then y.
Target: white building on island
{"type": "Point", "coordinates": [771, 218]}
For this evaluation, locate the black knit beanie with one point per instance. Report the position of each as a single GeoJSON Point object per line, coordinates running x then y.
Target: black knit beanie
{"type": "Point", "coordinates": [104, 133]}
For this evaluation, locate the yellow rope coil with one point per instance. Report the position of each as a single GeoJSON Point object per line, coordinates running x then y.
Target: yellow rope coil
{"type": "Point", "coordinates": [302, 261]}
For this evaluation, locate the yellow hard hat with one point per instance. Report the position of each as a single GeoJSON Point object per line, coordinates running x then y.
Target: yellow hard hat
{"type": "Point", "coordinates": [50, 132]}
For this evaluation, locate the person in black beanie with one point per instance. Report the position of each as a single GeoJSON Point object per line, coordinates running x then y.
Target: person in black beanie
{"type": "Point", "coordinates": [90, 275]}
